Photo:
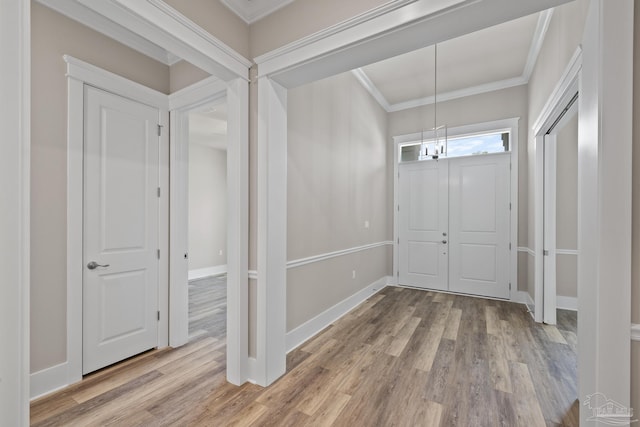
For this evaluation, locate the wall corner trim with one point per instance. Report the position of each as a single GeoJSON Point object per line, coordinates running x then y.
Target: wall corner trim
{"type": "Point", "coordinates": [312, 327]}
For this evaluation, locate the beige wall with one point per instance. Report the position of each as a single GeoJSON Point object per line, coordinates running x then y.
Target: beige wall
{"type": "Point", "coordinates": [497, 105]}
{"type": "Point", "coordinates": [567, 208]}
{"type": "Point", "coordinates": [218, 20]}
{"type": "Point", "coordinates": [53, 35]}
{"type": "Point", "coordinates": [337, 180]}
{"type": "Point", "coordinates": [207, 207]}
{"type": "Point", "coordinates": [302, 18]}
{"type": "Point", "coordinates": [183, 74]}
{"type": "Point", "coordinates": [561, 41]}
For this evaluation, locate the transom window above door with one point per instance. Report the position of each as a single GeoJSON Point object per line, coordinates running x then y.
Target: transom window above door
{"type": "Point", "coordinates": [455, 146]}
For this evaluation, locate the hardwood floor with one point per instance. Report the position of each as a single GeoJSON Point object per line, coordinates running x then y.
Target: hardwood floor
{"type": "Point", "coordinates": [402, 358]}
{"type": "Point", "coordinates": [208, 307]}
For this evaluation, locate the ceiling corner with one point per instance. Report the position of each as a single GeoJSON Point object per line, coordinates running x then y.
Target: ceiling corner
{"type": "Point", "coordinates": [251, 11]}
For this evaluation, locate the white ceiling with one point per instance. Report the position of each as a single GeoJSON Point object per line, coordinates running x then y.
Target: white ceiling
{"type": "Point", "coordinates": [208, 126]}
{"type": "Point", "coordinates": [253, 10]}
{"type": "Point", "coordinates": [493, 58]}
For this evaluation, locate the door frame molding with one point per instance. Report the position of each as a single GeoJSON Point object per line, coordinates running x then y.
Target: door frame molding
{"type": "Point", "coordinates": [80, 73]}
{"type": "Point", "coordinates": [180, 103]}
{"type": "Point", "coordinates": [564, 90]}
{"type": "Point", "coordinates": [511, 124]}
{"type": "Point", "coordinates": [15, 166]}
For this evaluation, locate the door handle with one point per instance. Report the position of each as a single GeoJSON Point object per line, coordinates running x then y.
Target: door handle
{"type": "Point", "coordinates": [93, 265]}
{"type": "Point", "coordinates": [444, 242]}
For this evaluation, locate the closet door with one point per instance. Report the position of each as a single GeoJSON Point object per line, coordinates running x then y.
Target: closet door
{"type": "Point", "coordinates": [423, 224]}
{"type": "Point", "coordinates": [479, 197]}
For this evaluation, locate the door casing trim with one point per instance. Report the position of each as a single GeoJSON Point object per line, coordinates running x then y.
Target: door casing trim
{"type": "Point", "coordinates": [78, 74]}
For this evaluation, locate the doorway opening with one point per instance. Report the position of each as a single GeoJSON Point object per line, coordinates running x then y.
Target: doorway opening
{"type": "Point", "coordinates": [207, 229]}
{"type": "Point", "coordinates": [560, 289]}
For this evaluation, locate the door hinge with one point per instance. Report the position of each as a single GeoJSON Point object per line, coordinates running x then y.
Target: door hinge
{"type": "Point", "coordinates": [509, 286]}
{"type": "Point", "coordinates": [158, 191]}
{"type": "Point", "coordinates": [158, 315]}
{"type": "Point", "coordinates": [160, 130]}
{"type": "Point", "coordinates": [545, 252]}
{"type": "Point", "coordinates": [158, 253]}
{"type": "Point", "coordinates": [509, 246]}
{"type": "Point", "coordinates": [398, 240]}
{"type": "Point", "coordinates": [398, 208]}
{"type": "Point", "coordinates": [509, 206]}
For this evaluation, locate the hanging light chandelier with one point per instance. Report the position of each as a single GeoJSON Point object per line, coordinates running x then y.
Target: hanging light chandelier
{"type": "Point", "coordinates": [440, 144]}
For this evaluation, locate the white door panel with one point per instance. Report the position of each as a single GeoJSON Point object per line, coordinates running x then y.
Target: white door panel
{"type": "Point", "coordinates": [423, 225]}
{"type": "Point", "coordinates": [479, 189]}
{"type": "Point", "coordinates": [120, 230]}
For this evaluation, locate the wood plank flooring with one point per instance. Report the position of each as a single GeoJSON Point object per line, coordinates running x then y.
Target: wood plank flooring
{"type": "Point", "coordinates": [403, 358]}
{"type": "Point", "coordinates": [208, 307]}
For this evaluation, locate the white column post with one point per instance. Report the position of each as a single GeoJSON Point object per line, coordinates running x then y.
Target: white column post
{"type": "Point", "coordinates": [238, 229]}
{"type": "Point", "coordinates": [15, 86]}
{"type": "Point", "coordinates": [604, 199]}
{"type": "Point", "coordinates": [272, 231]}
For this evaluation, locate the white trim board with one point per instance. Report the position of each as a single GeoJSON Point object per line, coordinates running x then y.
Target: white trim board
{"type": "Point", "coordinates": [322, 257]}
{"type": "Point", "coordinates": [15, 197]}
{"type": "Point", "coordinates": [526, 250]}
{"type": "Point", "coordinates": [49, 380]}
{"type": "Point", "coordinates": [312, 327]}
{"type": "Point", "coordinates": [567, 303]}
{"type": "Point", "coordinates": [374, 37]}
{"type": "Point", "coordinates": [534, 51]}
{"type": "Point", "coordinates": [201, 273]}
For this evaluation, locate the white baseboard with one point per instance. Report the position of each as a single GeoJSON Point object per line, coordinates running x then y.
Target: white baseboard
{"type": "Point", "coordinates": [313, 326]}
{"type": "Point", "coordinates": [207, 272]}
{"type": "Point", "coordinates": [567, 303]}
{"type": "Point", "coordinates": [523, 297]}
{"type": "Point", "coordinates": [48, 380]}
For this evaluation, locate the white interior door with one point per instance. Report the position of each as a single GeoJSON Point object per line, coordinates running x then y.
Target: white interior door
{"type": "Point", "coordinates": [423, 225]}
{"type": "Point", "coordinates": [479, 197]}
{"type": "Point", "coordinates": [120, 229]}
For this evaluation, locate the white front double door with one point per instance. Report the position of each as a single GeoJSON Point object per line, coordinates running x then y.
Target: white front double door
{"type": "Point", "coordinates": [120, 229]}
{"type": "Point", "coordinates": [454, 225]}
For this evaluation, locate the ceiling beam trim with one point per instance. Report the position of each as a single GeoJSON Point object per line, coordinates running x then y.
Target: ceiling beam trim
{"type": "Point", "coordinates": [164, 26]}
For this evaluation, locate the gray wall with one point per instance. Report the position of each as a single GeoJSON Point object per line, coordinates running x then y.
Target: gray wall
{"type": "Point", "coordinates": [337, 180]}
{"type": "Point", "coordinates": [567, 208]}
{"type": "Point", "coordinates": [207, 207]}
{"type": "Point", "coordinates": [53, 35]}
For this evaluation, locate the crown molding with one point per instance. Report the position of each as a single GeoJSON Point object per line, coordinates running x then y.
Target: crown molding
{"type": "Point", "coordinates": [532, 58]}
{"type": "Point", "coordinates": [536, 43]}
{"type": "Point", "coordinates": [252, 14]}
{"type": "Point", "coordinates": [84, 15]}
{"type": "Point", "coordinates": [371, 88]}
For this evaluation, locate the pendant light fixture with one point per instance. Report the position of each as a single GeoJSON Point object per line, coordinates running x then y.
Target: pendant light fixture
{"type": "Point", "coordinates": [440, 145]}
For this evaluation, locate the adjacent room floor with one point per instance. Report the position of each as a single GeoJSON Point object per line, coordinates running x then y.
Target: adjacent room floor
{"type": "Point", "coordinates": [208, 307]}
{"type": "Point", "coordinates": [404, 357]}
